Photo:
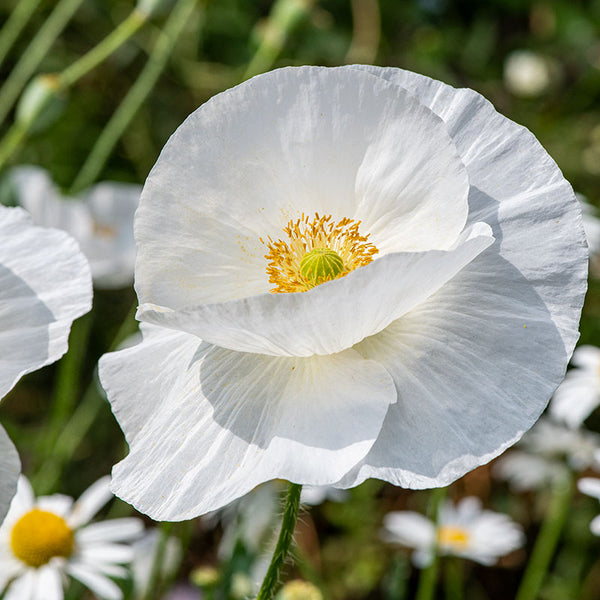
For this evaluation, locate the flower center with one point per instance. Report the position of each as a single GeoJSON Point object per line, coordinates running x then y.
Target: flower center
{"type": "Point", "coordinates": [453, 537]}
{"type": "Point", "coordinates": [38, 536]}
{"type": "Point", "coordinates": [316, 251]}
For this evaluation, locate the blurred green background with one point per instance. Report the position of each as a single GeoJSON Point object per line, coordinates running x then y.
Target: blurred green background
{"type": "Point", "coordinates": [464, 43]}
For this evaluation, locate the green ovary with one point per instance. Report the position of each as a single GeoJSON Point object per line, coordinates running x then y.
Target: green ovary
{"type": "Point", "coordinates": [320, 265]}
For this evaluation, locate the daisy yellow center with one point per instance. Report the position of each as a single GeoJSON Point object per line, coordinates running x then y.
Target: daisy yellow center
{"type": "Point", "coordinates": [40, 535]}
{"type": "Point", "coordinates": [453, 537]}
{"type": "Point", "coordinates": [316, 250]}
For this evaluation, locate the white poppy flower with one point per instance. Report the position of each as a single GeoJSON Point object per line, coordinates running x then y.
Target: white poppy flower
{"type": "Point", "coordinates": [547, 454]}
{"type": "Point", "coordinates": [45, 285]}
{"type": "Point", "coordinates": [101, 220]}
{"type": "Point", "coordinates": [435, 263]}
{"type": "Point", "coordinates": [44, 538]}
{"type": "Point", "coordinates": [579, 394]}
{"type": "Point", "coordinates": [464, 530]}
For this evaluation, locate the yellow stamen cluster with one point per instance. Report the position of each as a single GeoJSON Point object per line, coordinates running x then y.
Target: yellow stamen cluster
{"type": "Point", "coordinates": [453, 537]}
{"type": "Point", "coordinates": [317, 250]}
{"type": "Point", "coordinates": [40, 535]}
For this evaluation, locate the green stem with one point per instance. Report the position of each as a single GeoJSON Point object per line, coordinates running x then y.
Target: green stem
{"type": "Point", "coordinates": [135, 96]}
{"type": "Point", "coordinates": [104, 49]}
{"type": "Point", "coordinates": [547, 539]}
{"type": "Point", "coordinates": [283, 18]}
{"type": "Point", "coordinates": [81, 420]}
{"type": "Point", "coordinates": [428, 578]}
{"type": "Point", "coordinates": [11, 141]}
{"type": "Point", "coordinates": [66, 386]}
{"type": "Point", "coordinates": [13, 26]}
{"type": "Point", "coordinates": [288, 524]}
{"type": "Point", "coordinates": [34, 54]}
{"type": "Point", "coordinates": [453, 578]}
{"type": "Point", "coordinates": [153, 589]}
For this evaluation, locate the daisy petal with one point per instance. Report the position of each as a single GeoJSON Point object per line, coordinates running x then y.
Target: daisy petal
{"type": "Point", "coordinates": [100, 585]}
{"type": "Point", "coordinates": [48, 584]}
{"type": "Point", "coordinates": [317, 322]}
{"type": "Point", "coordinates": [106, 553]}
{"type": "Point", "coordinates": [595, 525]}
{"type": "Point", "coordinates": [24, 587]}
{"type": "Point", "coordinates": [90, 502]}
{"type": "Point", "coordinates": [590, 486]}
{"type": "Point", "coordinates": [10, 467]}
{"type": "Point", "coordinates": [114, 530]}
{"type": "Point", "coordinates": [57, 503]}
{"type": "Point", "coordinates": [41, 293]}
{"type": "Point", "coordinates": [197, 445]}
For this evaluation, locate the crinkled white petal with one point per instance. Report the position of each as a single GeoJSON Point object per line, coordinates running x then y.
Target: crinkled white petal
{"type": "Point", "coordinates": [113, 530]}
{"type": "Point", "coordinates": [205, 425]}
{"type": "Point", "coordinates": [10, 467]}
{"type": "Point", "coordinates": [589, 486]}
{"type": "Point", "coordinates": [476, 363]}
{"type": "Point", "coordinates": [90, 502]}
{"type": "Point", "coordinates": [44, 285]}
{"type": "Point", "coordinates": [98, 583]}
{"type": "Point", "coordinates": [326, 320]}
{"type": "Point", "coordinates": [519, 191]}
{"type": "Point", "coordinates": [473, 367]}
{"type": "Point", "coordinates": [297, 140]}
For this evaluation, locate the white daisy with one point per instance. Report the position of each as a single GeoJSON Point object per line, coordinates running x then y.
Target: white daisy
{"type": "Point", "coordinates": [464, 530]}
{"type": "Point", "coordinates": [45, 285]}
{"type": "Point", "coordinates": [342, 273]}
{"type": "Point", "coordinates": [101, 220]}
{"type": "Point", "coordinates": [44, 539]}
{"type": "Point", "coordinates": [591, 487]}
{"type": "Point", "coordinates": [546, 454]}
{"type": "Point", "coordinates": [579, 393]}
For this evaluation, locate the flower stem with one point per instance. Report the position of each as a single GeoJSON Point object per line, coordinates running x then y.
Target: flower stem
{"type": "Point", "coordinates": [547, 539]}
{"type": "Point", "coordinates": [429, 575]}
{"type": "Point", "coordinates": [288, 524]}
{"type": "Point", "coordinates": [153, 588]}
{"type": "Point", "coordinates": [104, 49]}
{"type": "Point", "coordinates": [75, 429]}
{"type": "Point", "coordinates": [66, 386]}
{"type": "Point", "coordinates": [453, 578]}
{"type": "Point", "coordinates": [35, 52]}
{"type": "Point", "coordinates": [135, 96]}
{"type": "Point", "coordinates": [284, 16]}
{"type": "Point", "coordinates": [14, 24]}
